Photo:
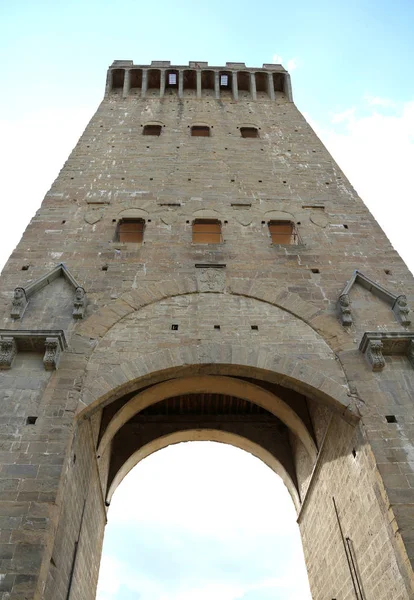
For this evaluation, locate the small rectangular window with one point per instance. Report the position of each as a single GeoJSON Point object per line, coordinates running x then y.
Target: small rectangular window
{"type": "Point", "coordinates": [152, 130]}
{"type": "Point", "coordinates": [131, 231]}
{"type": "Point", "coordinates": [283, 232]}
{"type": "Point", "coordinates": [200, 131]}
{"type": "Point", "coordinates": [172, 79]}
{"type": "Point", "coordinates": [224, 80]}
{"type": "Point", "coordinates": [206, 232]}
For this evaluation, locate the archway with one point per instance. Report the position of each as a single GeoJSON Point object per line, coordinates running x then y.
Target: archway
{"type": "Point", "coordinates": [306, 436]}
{"type": "Point", "coordinates": [201, 520]}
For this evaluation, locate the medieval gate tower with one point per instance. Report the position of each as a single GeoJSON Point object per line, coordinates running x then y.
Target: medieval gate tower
{"type": "Point", "coordinates": [201, 269]}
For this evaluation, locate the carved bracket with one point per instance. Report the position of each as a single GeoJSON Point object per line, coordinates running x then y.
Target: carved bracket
{"type": "Point", "coordinates": [52, 353]}
{"type": "Point", "coordinates": [397, 302]}
{"type": "Point", "coordinates": [8, 351]}
{"type": "Point", "coordinates": [401, 310]}
{"type": "Point", "coordinates": [79, 303]}
{"type": "Point", "coordinates": [375, 345]}
{"type": "Point", "coordinates": [52, 342]}
{"type": "Point", "coordinates": [19, 303]}
{"type": "Point", "coordinates": [345, 308]}
{"type": "Point", "coordinates": [22, 295]}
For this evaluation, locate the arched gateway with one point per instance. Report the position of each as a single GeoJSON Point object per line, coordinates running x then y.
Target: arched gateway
{"type": "Point", "coordinates": [209, 287]}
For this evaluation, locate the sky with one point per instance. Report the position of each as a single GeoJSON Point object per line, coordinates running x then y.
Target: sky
{"type": "Point", "coordinates": [351, 66]}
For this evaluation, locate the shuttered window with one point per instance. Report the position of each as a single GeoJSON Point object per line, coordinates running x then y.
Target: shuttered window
{"type": "Point", "coordinates": [283, 232]}
{"type": "Point", "coordinates": [206, 231]}
{"type": "Point", "coordinates": [200, 131]}
{"type": "Point", "coordinates": [152, 130]}
{"type": "Point", "coordinates": [131, 230]}
{"type": "Point", "coordinates": [249, 132]}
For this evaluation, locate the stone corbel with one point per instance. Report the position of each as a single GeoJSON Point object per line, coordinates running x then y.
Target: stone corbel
{"type": "Point", "coordinates": [345, 309]}
{"type": "Point", "coordinates": [19, 303]}
{"type": "Point", "coordinates": [401, 310]}
{"type": "Point", "coordinates": [79, 303]}
{"type": "Point", "coordinates": [8, 351]}
{"type": "Point", "coordinates": [375, 345]}
{"type": "Point", "coordinates": [374, 355]}
{"type": "Point", "coordinates": [50, 341]}
{"type": "Point", "coordinates": [52, 353]}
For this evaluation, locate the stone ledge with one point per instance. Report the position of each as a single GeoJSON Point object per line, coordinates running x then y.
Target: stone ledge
{"type": "Point", "coordinates": [51, 341]}
{"type": "Point", "coordinates": [375, 344]}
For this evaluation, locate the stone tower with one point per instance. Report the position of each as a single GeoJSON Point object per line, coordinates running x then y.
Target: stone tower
{"type": "Point", "coordinates": [202, 269]}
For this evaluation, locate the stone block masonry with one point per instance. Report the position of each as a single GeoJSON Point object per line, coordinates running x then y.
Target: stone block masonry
{"type": "Point", "coordinates": [124, 328]}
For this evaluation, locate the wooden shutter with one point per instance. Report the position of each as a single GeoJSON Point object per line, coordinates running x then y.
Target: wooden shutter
{"type": "Point", "coordinates": [200, 131]}
{"type": "Point", "coordinates": [207, 232]}
{"type": "Point", "coordinates": [131, 231]}
{"type": "Point", "coordinates": [152, 130]}
{"type": "Point", "coordinates": [282, 232]}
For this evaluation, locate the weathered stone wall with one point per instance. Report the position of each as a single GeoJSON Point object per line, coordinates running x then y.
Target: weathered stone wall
{"type": "Point", "coordinates": [353, 482]}
{"type": "Point", "coordinates": [125, 341]}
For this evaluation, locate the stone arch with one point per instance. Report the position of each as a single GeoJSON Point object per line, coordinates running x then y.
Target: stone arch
{"type": "Point", "coordinates": [99, 323]}
{"type": "Point", "coordinates": [217, 359]}
{"type": "Point", "coordinates": [279, 215]}
{"type": "Point", "coordinates": [207, 384]}
{"type": "Point", "coordinates": [205, 213]}
{"type": "Point", "coordinates": [133, 213]}
{"type": "Point", "coordinates": [211, 435]}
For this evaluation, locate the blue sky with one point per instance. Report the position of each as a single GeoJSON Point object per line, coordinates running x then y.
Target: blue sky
{"type": "Point", "coordinates": [351, 65]}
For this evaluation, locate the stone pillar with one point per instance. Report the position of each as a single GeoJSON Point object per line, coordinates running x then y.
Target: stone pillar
{"type": "Point", "coordinates": [288, 88]}
{"type": "Point", "coordinates": [253, 92]}
{"type": "Point", "coordinates": [270, 87]}
{"type": "Point", "coordinates": [109, 81]}
{"type": "Point", "coordinates": [127, 83]}
{"type": "Point", "coordinates": [180, 84]}
{"type": "Point", "coordinates": [217, 84]}
{"type": "Point", "coordinates": [235, 86]}
{"type": "Point", "coordinates": [144, 85]}
{"type": "Point", "coordinates": [162, 84]}
{"type": "Point", "coordinates": [199, 84]}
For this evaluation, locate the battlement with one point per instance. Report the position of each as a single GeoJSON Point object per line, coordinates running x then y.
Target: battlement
{"type": "Point", "coordinates": [234, 81]}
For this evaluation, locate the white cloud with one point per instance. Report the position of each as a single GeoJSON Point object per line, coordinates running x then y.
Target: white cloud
{"type": "Point", "coordinates": [277, 59]}
{"type": "Point", "coordinates": [344, 116]}
{"type": "Point", "coordinates": [291, 63]}
{"type": "Point", "coordinates": [378, 101]}
{"type": "Point", "coordinates": [36, 145]}
{"type": "Point", "coordinates": [376, 152]}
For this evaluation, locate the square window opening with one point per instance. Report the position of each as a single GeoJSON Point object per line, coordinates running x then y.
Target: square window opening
{"type": "Point", "coordinates": [206, 231]}
{"type": "Point", "coordinates": [283, 232]}
{"type": "Point", "coordinates": [131, 231]}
